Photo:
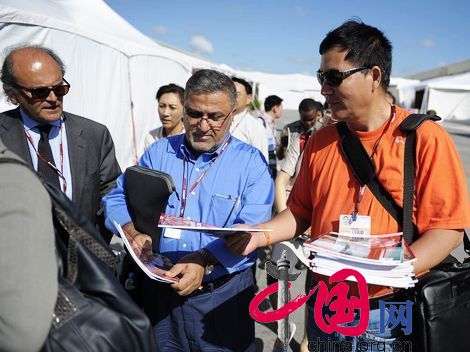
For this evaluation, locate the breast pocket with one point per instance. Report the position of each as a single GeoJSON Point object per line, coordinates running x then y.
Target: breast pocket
{"type": "Point", "coordinates": [224, 208]}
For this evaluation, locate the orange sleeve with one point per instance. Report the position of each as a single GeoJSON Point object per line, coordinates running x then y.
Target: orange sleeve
{"type": "Point", "coordinates": [441, 198]}
{"type": "Point", "coordinates": [300, 200]}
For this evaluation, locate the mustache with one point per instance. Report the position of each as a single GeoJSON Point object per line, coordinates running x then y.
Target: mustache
{"type": "Point", "coordinates": [197, 133]}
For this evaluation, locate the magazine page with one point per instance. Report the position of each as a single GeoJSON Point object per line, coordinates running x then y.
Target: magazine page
{"type": "Point", "coordinates": [176, 222]}
{"type": "Point", "coordinates": [154, 266]}
{"type": "Point", "coordinates": [382, 259]}
{"type": "Point", "coordinates": [377, 247]}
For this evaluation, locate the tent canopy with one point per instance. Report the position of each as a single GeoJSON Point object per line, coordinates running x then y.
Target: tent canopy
{"type": "Point", "coordinates": [114, 70]}
{"type": "Point", "coordinates": [449, 96]}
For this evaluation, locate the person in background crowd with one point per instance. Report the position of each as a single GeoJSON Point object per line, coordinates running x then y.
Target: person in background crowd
{"type": "Point", "coordinates": [311, 113]}
{"type": "Point", "coordinates": [290, 165]}
{"type": "Point", "coordinates": [245, 126]}
{"type": "Point", "coordinates": [328, 119]}
{"type": "Point", "coordinates": [272, 111]}
{"type": "Point", "coordinates": [73, 153]}
{"type": "Point", "coordinates": [354, 75]}
{"type": "Point", "coordinates": [221, 181]}
{"type": "Point", "coordinates": [28, 265]}
{"type": "Point", "coordinates": [170, 111]}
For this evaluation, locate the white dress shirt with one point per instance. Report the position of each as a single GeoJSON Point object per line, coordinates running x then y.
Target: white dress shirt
{"type": "Point", "coordinates": [57, 135]}
{"type": "Point", "coordinates": [250, 130]}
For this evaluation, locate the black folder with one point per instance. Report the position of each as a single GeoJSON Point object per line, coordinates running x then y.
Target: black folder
{"type": "Point", "coordinates": [147, 192]}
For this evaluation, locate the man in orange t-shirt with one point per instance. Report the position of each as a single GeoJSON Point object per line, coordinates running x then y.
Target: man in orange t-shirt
{"type": "Point", "coordinates": [354, 75]}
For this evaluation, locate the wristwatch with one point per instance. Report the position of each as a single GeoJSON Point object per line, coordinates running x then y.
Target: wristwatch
{"type": "Point", "coordinates": [208, 260]}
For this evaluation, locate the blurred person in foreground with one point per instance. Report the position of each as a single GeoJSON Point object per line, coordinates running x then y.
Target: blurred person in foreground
{"type": "Point", "coordinates": [354, 75]}
{"type": "Point", "coordinates": [28, 264]}
{"type": "Point", "coordinates": [170, 111]}
{"type": "Point", "coordinates": [221, 181]}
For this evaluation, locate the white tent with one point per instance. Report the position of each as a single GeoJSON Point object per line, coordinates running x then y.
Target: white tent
{"type": "Point", "coordinates": [403, 90]}
{"type": "Point", "coordinates": [448, 95]}
{"type": "Point", "coordinates": [290, 87]}
{"type": "Point", "coordinates": [114, 70]}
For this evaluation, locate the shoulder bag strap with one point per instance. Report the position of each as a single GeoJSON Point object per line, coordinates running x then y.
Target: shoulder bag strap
{"type": "Point", "coordinates": [363, 168]}
{"type": "Point", "coordinates": [359, 161]}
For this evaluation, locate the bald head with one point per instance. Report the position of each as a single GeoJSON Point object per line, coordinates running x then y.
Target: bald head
{"type": "Point", "coordinates": [32, 67]}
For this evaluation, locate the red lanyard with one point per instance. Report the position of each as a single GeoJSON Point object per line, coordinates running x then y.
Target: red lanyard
{"type": "Point", "coordinates": [60, 172]}
{"type": "Point", "coordinates": [199, 179]}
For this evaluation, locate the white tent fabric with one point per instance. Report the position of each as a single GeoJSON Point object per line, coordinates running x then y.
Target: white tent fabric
{"type": "Point", "coordinates": [404, 90]}
{"type": "Point", "coordinates": [448, 95]}
{"type": "Point", "coordinates": [114, 70]}
{"type": "Point", "coordinates": [290, 87]}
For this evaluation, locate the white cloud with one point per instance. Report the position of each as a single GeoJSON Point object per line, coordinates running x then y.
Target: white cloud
{"type": "Point", "coordinates": [201, 45]}
{"type": "Point", "coordinates": [160, 30]}
{"type": "Point", "coordinates": [427, 43]}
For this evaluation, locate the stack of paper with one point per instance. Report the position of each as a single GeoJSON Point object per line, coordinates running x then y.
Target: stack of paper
{"type": "Point", "coordinates": [382, 259]}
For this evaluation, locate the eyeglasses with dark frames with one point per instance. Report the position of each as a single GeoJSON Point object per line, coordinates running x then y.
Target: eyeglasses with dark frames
{"type": "Point", "coordinates": [334, 78]}
{"type": "Point", "coordinates": [213, 119]}
{"type": "Point", "coordinates": [43, 92]}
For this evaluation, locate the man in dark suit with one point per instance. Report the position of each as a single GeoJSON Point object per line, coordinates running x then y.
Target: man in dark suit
{"type": "Point", "coordinates": [72, 152]}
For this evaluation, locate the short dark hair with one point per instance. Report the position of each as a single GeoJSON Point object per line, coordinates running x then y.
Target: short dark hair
{"type": "Point", "coordinates": [248, 88]}
{"type": "Point", "coordinates": [309, 104]}
{"type": "Point", "coordinates": [210, 81]}
{"type": "Point", "coordinates": [171, 88]}
{"type": "Point", "coordinates": [8, 78]}
{"type": "Point", "coordinates": [366, 46]}
{"type": "Point", "coordinates": [271, 101]}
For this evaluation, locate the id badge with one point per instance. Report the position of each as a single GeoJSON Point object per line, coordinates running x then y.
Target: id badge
{"type": "Point", "coordinates": [349, 226]}
{"type": "Point", "coordinates": [172, 233]}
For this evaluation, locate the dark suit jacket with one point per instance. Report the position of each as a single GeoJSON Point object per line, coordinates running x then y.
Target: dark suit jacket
{"type": "Point", "coordinates": [93, 163]}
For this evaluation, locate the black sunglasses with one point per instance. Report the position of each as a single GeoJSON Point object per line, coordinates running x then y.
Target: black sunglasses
{"type": "Point", "coordinates": [43, 92]}
{"type": "Point", "coordinates": [334, 77]}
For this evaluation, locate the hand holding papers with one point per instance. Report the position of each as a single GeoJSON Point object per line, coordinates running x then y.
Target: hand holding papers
{"type": "Point", "coordinates": [154, 266]}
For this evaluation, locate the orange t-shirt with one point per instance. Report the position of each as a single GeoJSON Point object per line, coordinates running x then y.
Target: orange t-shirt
{"type": "Point", "coordinates": [326, 187]}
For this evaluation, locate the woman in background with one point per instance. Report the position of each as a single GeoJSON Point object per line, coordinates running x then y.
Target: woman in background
{"type": "Point", "coordinates": [170, 111]}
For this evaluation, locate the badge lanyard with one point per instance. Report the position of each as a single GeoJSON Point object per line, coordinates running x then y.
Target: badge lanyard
{"type": "Point", "coordinates": [60, 172]}
{"type": "Point", "coordinates": [374, 149]}
{"type": "Point", "coordinates": [184, 192]}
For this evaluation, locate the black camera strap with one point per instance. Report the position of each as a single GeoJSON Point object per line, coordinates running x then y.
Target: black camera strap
{"type": "Point", "coordinates": [363, 168]}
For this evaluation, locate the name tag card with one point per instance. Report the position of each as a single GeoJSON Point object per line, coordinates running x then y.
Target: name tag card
{"type": "Point", "coordinates": [172, 233]}
{"type": "Point", "coordinates": [360, 226]}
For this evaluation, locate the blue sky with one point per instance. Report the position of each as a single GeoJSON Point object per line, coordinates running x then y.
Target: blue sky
{"type": "Point", "coordinates": [283, 36]}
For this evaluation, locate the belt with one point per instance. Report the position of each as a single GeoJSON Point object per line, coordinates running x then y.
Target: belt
{"type": "Point", "coordinates": [214, 284]}
{"type": "Point", "coordinates": [399, 296]}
